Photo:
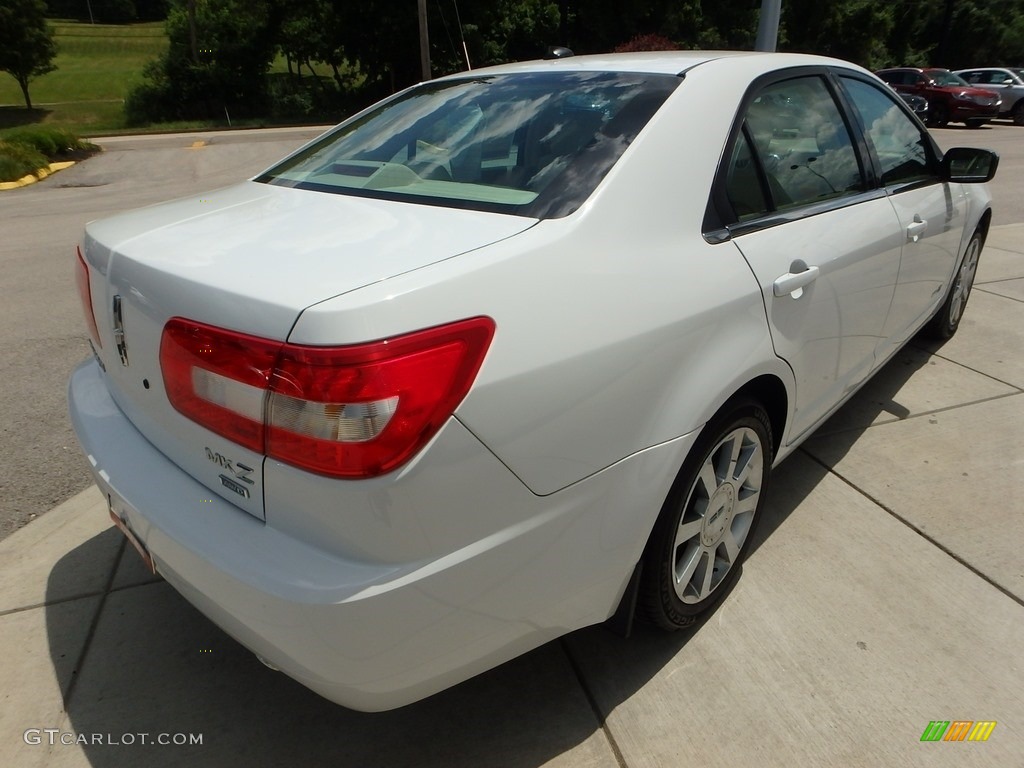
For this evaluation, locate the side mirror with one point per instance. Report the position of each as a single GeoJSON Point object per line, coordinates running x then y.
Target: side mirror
{"type": "Point", "coordinates": [967, 165]}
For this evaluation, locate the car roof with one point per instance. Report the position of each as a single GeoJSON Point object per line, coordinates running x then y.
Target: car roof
{"type": "Point", "coordinates": [982, 69]}
{"type": "Point", "coordinates": [654, 62]}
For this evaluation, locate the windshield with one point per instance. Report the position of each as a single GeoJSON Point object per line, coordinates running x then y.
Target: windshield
{"type": "Point", "coordinates": [945, 77]}
{"type": "Point", "coordinates": [533, 144]}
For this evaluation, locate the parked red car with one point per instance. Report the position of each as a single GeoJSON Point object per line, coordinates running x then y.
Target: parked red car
{"type": "Point", "coordinates": [951, 99]}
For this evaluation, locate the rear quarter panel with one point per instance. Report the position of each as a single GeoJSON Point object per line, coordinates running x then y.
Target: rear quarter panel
{"type": "Point", "coordinates": [618, 327]}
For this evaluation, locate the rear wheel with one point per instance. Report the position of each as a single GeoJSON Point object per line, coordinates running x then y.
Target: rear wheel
{"type": "Point", "coordinates": [709, 518]}
{"type": "Point", "coordinates": [937, 115]}
{"type": "Point", "coordinates": [947, 319]}
{"type": "Point", "coordinates": [976, 123]}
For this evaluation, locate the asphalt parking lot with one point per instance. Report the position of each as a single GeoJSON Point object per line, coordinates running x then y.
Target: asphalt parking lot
{"type": "Point", "coordinates": [885, 591]}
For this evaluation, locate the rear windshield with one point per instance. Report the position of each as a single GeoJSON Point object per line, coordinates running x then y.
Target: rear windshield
{"type": "Point", "coordinates": [532, 144]}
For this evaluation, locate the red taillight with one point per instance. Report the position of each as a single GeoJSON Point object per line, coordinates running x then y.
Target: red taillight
{"type": "Point", "coordinates": [85, 294]}
{"type": "Point", "coordinates": [353, 411]}
{"type": "Point", "coordinates": [218, 378]}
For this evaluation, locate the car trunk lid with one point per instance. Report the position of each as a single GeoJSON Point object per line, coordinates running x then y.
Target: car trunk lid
{"type": "Point", "coordinates": [248, 258]}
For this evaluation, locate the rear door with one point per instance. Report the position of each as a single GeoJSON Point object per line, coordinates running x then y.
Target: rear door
{"type": "Point", "coordinates": [822, 241]}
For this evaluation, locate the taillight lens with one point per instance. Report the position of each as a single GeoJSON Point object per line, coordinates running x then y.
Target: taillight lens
{"type": "Point", "coordinates": [85, 294]}
{"type": "Point", "coordinates": [218, 378]}
{"type": "Point", "coordinates": [352, 411]}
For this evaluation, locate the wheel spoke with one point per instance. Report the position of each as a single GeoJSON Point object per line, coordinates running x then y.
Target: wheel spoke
{"type": "Point", "coordinates": [708, 477]}
{"type": "Point", "coordinates": [688, 531]}
{"type": "Point", "coordinates": [736, 443]}
{"type": "Point", "coordinates": [746, 504]}
{"type": "Point", "coordinates": [690, 560]}
{"type": "Point", "coordinates": [708, 562]}
{"type": "Point", "coordinates": [731, 547]}
{"type": "Point", "coordinates": [749, 473]}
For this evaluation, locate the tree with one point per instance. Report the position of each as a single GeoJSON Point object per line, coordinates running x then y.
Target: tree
{"type": "Point", "coordinates": [217, 58]}
{"type": "Point", "coordinates": [855, 30]}
{"type": "Point", "coordinates": [27, 49]}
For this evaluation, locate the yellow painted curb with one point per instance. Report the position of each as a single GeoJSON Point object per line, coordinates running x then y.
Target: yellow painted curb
{"type": "Point", "coordinates": [42, 173]}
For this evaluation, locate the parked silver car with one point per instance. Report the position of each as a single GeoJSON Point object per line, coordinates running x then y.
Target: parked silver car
{"type": "Point", "coordinates": [1008, 82]}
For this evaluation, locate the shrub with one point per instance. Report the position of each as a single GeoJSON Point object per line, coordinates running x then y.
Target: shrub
{"type": "Point", "coordinates": [149, 102]}
{"type": "Point", "coordinates": [17, 160]}
{"type": "Point", "coordinates": [650, 42]}
{"type": "Point", "coordinates": [49, 142]}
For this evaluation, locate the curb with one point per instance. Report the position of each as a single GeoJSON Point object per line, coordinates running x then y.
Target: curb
{"type": "Point", "coordinates": [39, 175]}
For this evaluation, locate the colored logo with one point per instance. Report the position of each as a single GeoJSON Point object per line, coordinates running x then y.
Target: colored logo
{"type": "Point", "coordinates": [958, 730]}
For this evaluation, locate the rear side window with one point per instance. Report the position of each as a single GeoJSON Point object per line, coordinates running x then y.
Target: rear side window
{"type": "Point", "coordinates": [993, 77]}
{"type": "Point", "coordinates": [901, 148]}
{"type": "Point", "coordinates": [802, 143]}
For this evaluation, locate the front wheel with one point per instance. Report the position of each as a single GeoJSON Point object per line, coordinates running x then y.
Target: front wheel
{"type": "Point", "coordinates": [709, 518]}
{"type": "Point", "coordinates": [947, 319]}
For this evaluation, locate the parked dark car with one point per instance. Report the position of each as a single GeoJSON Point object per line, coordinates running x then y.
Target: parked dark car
{"type": "Point", "coordinates": [951, 99]}
{"type": "Point", "coordinates": [1008, 82]}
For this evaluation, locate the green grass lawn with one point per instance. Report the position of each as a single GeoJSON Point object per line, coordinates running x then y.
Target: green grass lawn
{"type": "Point", "coordinates": [97, 64]}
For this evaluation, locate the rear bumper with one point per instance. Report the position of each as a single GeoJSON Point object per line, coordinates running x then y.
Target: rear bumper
{"type": "Point", "coordinates": [373, 635]}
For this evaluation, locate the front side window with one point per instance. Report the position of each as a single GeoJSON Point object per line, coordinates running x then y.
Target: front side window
{"type": "Point", "coordinates": [802, 143]}
{"type": "Point", "coordinates": [533, 144]}
{"type": "Point", "coordinates": [902, 149]}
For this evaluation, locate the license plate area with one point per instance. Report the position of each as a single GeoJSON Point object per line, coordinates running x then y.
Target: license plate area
{"type": "Point", "coordinates": [117, 507]}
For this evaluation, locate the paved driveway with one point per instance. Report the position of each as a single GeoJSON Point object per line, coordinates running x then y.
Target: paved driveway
{"type": "Point", "coordinates": [42, 334]}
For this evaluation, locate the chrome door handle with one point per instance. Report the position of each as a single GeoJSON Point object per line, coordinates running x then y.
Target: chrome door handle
{"type": "Point", "coordinates": [794, 281]}
{"type": "Point", "coordinates": [917, 228]}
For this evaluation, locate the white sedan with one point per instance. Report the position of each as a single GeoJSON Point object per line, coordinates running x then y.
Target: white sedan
{"type": "Point", "coordinates": [509, 353]}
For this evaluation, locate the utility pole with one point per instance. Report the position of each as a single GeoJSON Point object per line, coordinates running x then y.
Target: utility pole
{"type": "Point", "coordinates": [424, 41]}
{"type": "Point", "coordinates": [768, 25]}
{"type": "Point", "coordinates": [191, 8]}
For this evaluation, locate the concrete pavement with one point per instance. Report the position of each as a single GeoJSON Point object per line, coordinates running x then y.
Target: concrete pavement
{"type": "Point", "coordinates": [886, 590]}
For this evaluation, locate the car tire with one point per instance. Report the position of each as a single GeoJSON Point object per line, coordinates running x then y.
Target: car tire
{"type": "Point", "coordinates": [946, 321]}
{"type": "Point", "coordinates": [709, 519]}
{"type": "Point", "coordinates": [1018, 113]}
{"type": "Point", "coordinates": [975, 123]}
{"type": "Point", "coordinates": [937, 115]}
